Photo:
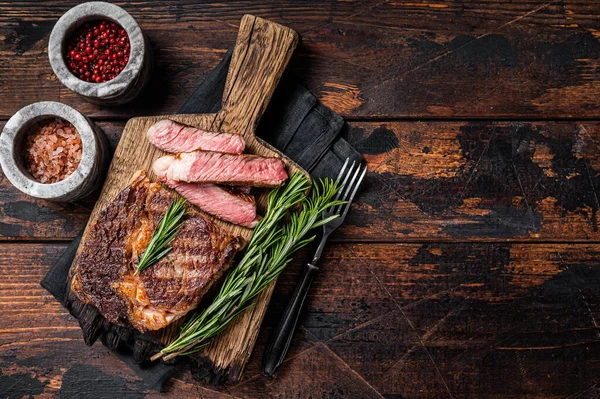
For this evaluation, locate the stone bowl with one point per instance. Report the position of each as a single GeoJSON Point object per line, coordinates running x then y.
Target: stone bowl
{"type": "Point", "coordinates": [126, 85]}
{"type": "Point", "coordinates": [94, 155]}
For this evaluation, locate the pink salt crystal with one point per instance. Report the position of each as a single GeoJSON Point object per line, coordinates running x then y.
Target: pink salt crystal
{"type": "Point", "coordinates": [52, 151]}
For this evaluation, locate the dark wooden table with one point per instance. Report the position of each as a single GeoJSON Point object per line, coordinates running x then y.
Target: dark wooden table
{"type": "Point", "coordinates": [468, 267]}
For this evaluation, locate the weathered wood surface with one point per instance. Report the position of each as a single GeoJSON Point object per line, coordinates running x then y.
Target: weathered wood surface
{"type": "Point", "coordinates": [427, 181]}
{"type": "Point", "coordinates": [412, 320]}
{"type": "Point", "coordinates": [468, 266]}
{"type": "Point", "coordinates": [524, 59]}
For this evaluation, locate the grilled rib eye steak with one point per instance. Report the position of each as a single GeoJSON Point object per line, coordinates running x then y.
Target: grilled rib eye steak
{"type": "Point", "coordinates": [216, 167]}
{"type": "Point", "coordinates": [174, 137]}
{"type": "Point", "coordinates": [103, 274]}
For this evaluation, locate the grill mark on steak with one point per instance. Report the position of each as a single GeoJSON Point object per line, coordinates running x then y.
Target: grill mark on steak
{"type": "Point", "coordinates": [215, 167]}
{"type": "Point", "coordinates": [104, 272]}
{"type": "Point", "coordinates": [174, 137]}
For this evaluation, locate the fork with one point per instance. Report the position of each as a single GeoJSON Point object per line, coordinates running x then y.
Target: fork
{"type": "Point", "coordinates": [282, 336]}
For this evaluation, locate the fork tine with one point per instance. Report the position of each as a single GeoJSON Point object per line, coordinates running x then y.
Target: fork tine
{"type": "Point", "coordinates": [332, 210]}
{"type": "Point", "coordinates": [329, 211]}
{"type": "Point", "coordinates": [362, 175]}
{"type": "Point", "coordinates": [343, 169]}
{"type": "Point", "coordinates": [348, 173]}
{"type": "Point", "coordinates": [348, 189]}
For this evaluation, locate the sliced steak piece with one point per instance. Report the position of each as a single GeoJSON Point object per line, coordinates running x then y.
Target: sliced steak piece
{"type": "Point", "coordinates": [173, 137]}
{"type": "Point", "coordinates": [223, 202]}
{"type": "Point", "coordinates": [226, 203]}
{"type": "Point", "coordinates": [216, 167]}
{"type": "Point", "coordinates": [103, 273]}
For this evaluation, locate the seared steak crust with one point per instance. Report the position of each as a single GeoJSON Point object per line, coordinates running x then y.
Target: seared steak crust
{"type": "Point", "coordinates": [104, 271]}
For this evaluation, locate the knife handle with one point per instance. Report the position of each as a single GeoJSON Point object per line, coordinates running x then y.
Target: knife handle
{"type": "Point", "coordinates": [282, 336]}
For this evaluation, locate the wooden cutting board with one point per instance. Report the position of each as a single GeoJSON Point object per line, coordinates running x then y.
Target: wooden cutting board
{"type": "Point", "coordinates": [261, 53]}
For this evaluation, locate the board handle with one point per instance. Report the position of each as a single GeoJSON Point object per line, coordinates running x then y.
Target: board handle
{"type": "Point", "coordinates": [262, 51]}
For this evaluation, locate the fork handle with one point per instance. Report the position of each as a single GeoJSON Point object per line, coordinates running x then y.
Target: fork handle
{"type": "Point", "coordinates": [282, 336]}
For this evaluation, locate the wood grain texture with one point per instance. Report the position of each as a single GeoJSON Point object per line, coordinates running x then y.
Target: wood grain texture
{"type": "Point", "coordinates": [413, 320]}
{"type": "Point", "coordinates": [468, 265]}
{"type": "Point", "coordinates": [261, 53]}
{"type": "Point", "coordinates": [425, 59]}
{"type": "Point", "coordinates": [478, 181]}
{"type": "Point", "coordinates": [427, 181]}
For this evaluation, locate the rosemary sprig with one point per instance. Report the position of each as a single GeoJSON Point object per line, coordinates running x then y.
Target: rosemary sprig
{"type": "Point", "coordinates": [269, 251]}
{"type": "Point", "coordinates": [166, 230]}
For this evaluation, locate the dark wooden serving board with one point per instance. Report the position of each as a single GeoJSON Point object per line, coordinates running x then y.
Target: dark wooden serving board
{"type": "Point", "coordinates": [261, 53]}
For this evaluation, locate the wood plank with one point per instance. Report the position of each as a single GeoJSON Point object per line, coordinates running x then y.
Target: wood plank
{"type": "Point", "coordinates": [476, 320]}
{"type": "Point", "coordinates": [495, 320]}
{"type": "Point", "coordinates": [484, 59]}
{"type": "Point", "coordinates": [427, 181]}
{"type": "Point", "coordinates": [478, 181]}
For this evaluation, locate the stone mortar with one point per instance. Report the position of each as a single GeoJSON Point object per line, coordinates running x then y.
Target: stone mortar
{"type": "Point", "coordinates": [127, 84]}
{"type": "Point", "coordinates": [94, 157]}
